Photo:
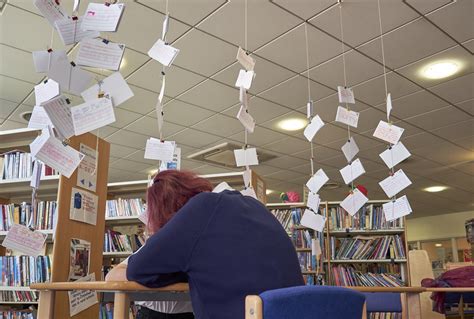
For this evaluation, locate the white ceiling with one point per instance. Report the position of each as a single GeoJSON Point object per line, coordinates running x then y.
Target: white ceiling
{"type": "Point", "coordinates": [201, 101]}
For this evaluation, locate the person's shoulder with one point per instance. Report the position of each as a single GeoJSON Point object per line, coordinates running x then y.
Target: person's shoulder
{"type": "Point", "coordinates": [204, 198]}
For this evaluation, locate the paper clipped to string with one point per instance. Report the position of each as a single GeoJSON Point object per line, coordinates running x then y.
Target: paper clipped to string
{"type": "Point", "coordinates": [317, 181]}
{"type": "Point", "coordinates": [243, 97]}
{"type": "Point", "coordinates": [159, 105]}
{"type": "Point", "coordinates": [59, 112]}
{"type": "Point", "coordinates": [39, 118]}
{"type": "Point", "coordinates": [244, 80]}
{"type": "Point", "coordinates": [313, 127]}
{"type": "Point", "coordinates": [92, 115]}
{"type": "Point", "coordinates": [70, 77]}
{"type": "Point", "coordinates": [393, 185]}
{"type": "Point", "coordinates": [163, 53]}
{"type": "Point", "coordinates": [44, 59]}
{"type": "Point", "coordinates": [247, 177]}
{"type": "Point", "coordinates": [115, 85]}
{"type": "Point", "coordinates": [352, 171]}
{"type": "Point", "coordinates": [309, 109]}
{"type": "Point", "coordinates": [346, 95]}
{"type": "Point", "coordinates": [159, 150]}
{"type": "Point", "coordinates": [70, 31]}
{"type": "Point", "coordinates": [245, 60]}
{"type": "Point", "coordinates": [246, 119]}
{"type": "Point", "coordinates": [395, 154]}
{"type": "Point", "coordinates": [313, 201]}
{"type": "Point", "coordinates": [350, 149]}
{"type": "Point", "coordinates": [313, 220]}
{"type": "Point", "coordinates": [51, 10]}
{"type": "Point", "coordinates": [98, 53]}
{"type": "Point", "coordinates": [389, 106]}
{"type": "Point", "coordinates": [396, 209]}
{"type": "Point", "coordinates": [102, 17]}
{"type": "Point", "coordinates": [347, 117]}
{"type": "Point", "coordinates": [246, 157]}
{"type": "Point", "coordinates": [354, 201]}
{"type": "Point", "coordinates": [388, 132]}
{"type": "Point", "coordinates": [25, 240]}
{"type": "Point", "coordinates": [46, 90]}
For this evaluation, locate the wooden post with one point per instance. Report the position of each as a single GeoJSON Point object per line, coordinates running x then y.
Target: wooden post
{"type": "Point", "coordinates": [121, 305]}
{"type": "Point", "coordinates": [364, 311]}
{"type": "Point", "coordinates": [414, 305]}
{"type": "Point", "coordinates": [46, 304]}
{"type": "Point", "coordinates": [253, 307]}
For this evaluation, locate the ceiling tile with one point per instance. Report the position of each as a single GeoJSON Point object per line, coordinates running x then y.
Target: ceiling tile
{"type": "Point", "coordinates": [194, 138]}
{"type": "Point", "coordinates": [260, 109]}
{"type": "Point", "coordinates": [420, 140]}
{"type": "Point", "coordinates": [289, 145]}
{"type": "Point", "coordinates": [120, 151]}
{"type": "Point", "coordinates": [427, 6]}
{"type": "Point", "coordinates": [438, 118]}
{"type": "Point", "coordinates": [456, 131]}
{"type": "Point", "coordinates": [120, 175]}
{"type": "Point", "coordinates": [285, 175]}
{"type": "Point", "coordinates": [126, 164]}
{"type": "Point", "coordinates": [16, 115]}
{"type": "Point", "coordinates": [127, 138]}
{"type": "Point", "coordinates": [183, 113]}
{"type": "Point", "coordinates": [469, 45]}
{"type": "Point", "coordinates": [124, 117]}
{"type": "Point", "coordinates": [448, 19]}
{"type": "Point", "coordinates": [444, 153]}
{"type": "Point", "coordinates": [220, 125]}
{"type": "Point", "coordinates": [467, 142]}
{"type": "Point", "coordinates": [11, 58]}
{"type": "Point", "coordinates": [285, 162]}
{"type": "Point", "coordinates": [467, 106]}
{"type": "Point", "coordinates": [212, 95]}
{"type": "Point", "coordinates": [260, 136]}
{"type": "Point", "coordinates": [456, 90]}
{"type": "Point", "coordinates": [143, 101]}
{"type": "Point", "coordinates": [11, 125]}
{"type": "Point", "coordinates": [6, 108]}
{"type": "Point", "coordinates": [149, 126]}
{"type": "Point", "coordinates": [414, 104]}
{"type": "Point", "coordinates": [14, 90]}
{"type": "Point", "coordinates": [305, 9]}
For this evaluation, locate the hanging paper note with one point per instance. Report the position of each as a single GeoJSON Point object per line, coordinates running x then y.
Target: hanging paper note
{"type": "Point", "coordinates": [36, 174]}
{"type": "Point", "coordinates": [354, 202]}
{"type": "Point", "coordinates": [51, 10]}
{"type": "Point", "coordinates": [163, 53]}
{"type": "Point", "coordinates": [102, 17]}
{"type": "Point", "coordinates": [222, 187]}
{"type": "Point", "coordinates": [22, 239]}
{"type": "Point", "coordinates": [101, 54]}
{"type": "Point", "coordinates": [159, 150]}
{"type": "Point", "coordinates": [352, 171]}
{"type": "Point", "coordinates": [75, 7]}
{"type": "Point", "coordinates": [313, 201]}
{"type": "Point", "coordinates": [114, 85]}
{"type": "Point", "coordinates": [243, 97]}
{"type": "Point", "coordinates": [249, 191]}
{"type": "Point", "coordinates": [346, 116]}
{"type": "Point", "coordinates": [245, 60]}
{"type": "Point", "coordinates": [159, 105]}
{"type": "Point", "coordinates": [166, 23]}
{"type": "Point", "coordinates": [80, 300]}
{"type": "Point", "coordinates": [246, 157]}
{"type": "Point", "coordinates": [92, 115]}
{"type": "Point", "coordinates": [396, 209]}
{"type": "Point", "coordinates": [388, 132]}
{"type": "Point", "coordinates": [39, 118]}
{"type": "Point", "coordinates": [83, 207]}
{"type": "Point", "coordinates": [317, 181]}
{"type": "Point", "coordinates": [70, 77]}
{"type": "Point", "coordinates": [44, 59]}
{"type": "Point", "coordinates": [389, 106]}
{"type": "Point", "coordinates": [393, 185]}
{"type": "Point", "coordinates": [246, 119]}
{"type": "Point", "coordinates": [247, 176]}
{"type": "Point", "coordinates": [313, 220]}
{"type": "Point", "coordinates": [315, 248]}
{"type": "Point", "coordinates": [395, 154]}
{"type": "Point", "coordinates": [346, 95]}
{"type": "Point", "coordinates": [313, 127]}
{"type": "Point", "coordinates": [175, 163]}
{"type": "Point", "coordinates": [46, 91]}
{"type": "Point", "coordinates": [70, 31]}
{"type": "Point", "coordinates": [87, 170]}
{"type": "Point", "coordinates": [350, 149]}
{"type": "Point", "coordinates": [244, 80]}
{"type": "Point", "coordinates": [309, 109]}
{"type": "Point", "coordinates": [59, 113]}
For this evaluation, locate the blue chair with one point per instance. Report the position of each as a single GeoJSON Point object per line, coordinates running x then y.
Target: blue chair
{"type": "Point", "coordinates": [385, 302]}
{"type": "Point", "coordinates": [306, 302]}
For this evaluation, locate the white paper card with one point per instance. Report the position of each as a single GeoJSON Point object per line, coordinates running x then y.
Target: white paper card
{"type": "Point", "coordinates": [175, 163]}
{"type": "Point", "coordinates": [70, 78]}
{"type": "Point", "coordinates": [24, 240]}
{"type": "Point", "coordinates": [245, 60]}
{"type": "Point", "coordinates": [313, 127]}
{"type": "Point", "coordinates": [249, 191]}
{"type": "Point", "coordinates": [309, 109]}
{"type": "Point", "coordinates": [393, 185]}
{"type": "Point", "coordinates": [346, 95]}
{"type": "Point", "coordinates": [166, 23]}
{"type": "Point", "coordinates": [36, 174]}
{"type": "Point", "coordinates": [100, 17]}
{"type": "Point", "coordinates": [247, 177]}
{"type": "Point", "coordinates": [92, 115]}
{"type": "Point", "coordinates": [346, 116]}
{"type": "Point", "coordinates": [313, 201]}
{"type": "Point", "coordinates": [246, 119]}
{"type": "Point", "coordinates": [39, 118]}
{"type": "Point", "coordinates": [354, 202]}
{"type": "Point", "coordinates": [389, 106]}
{"type": "Point", "coordinates": [163, 53]}
{"type": "Point", "coordinates": [100, 54]}
{"type": "Point", "coordinates": [75, 7]}
{"type": "Point", "coordinates": [313, 220]}
{"type": "Point", "coordinates": [59, 113]}
{"type": "Point", "coordinates": [80, 300]}
{"type": "Point", "coordinates": [83, 206]}
{"type": "Point", "coordinates": [350, 149]}
{"type": "Point", "coordinates": [315, 248]}
{"type": "Point", "coordinates": [51, 10]}
{"type": "Point", "coordinates": [44, 59]}
{"type": "Point", "coordinates": [114, 85]}
{"type": "Point", "coordinates": [246, 157]}
{"type": "Point", "coordinates": [46, 90]}
{"type": "Point", "coordinates": [317, 181]}
{"type": "Point", "coordinates": [158, 150]}
{"type": "Point", "coordinates": [244, 80]}
{"type": "Point", "coordinates": [388, 132]}
{"type": "Point", "coordinates": [87, 170]}
{"type": "Point", "coordinates": [393, 210]}
{"type": "Point", "coordinates": [394, 155]}
{"type": "Point", "coordinates": [222, 187]}
{"type": "Point", "coordinates": [352, 171]}
{"type": "Point", "coordinates": [243, 97]}
{"type": "Point", "coordinates": [70, 31]}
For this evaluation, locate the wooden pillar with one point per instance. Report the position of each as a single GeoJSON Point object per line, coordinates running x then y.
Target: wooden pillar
{"type": "Point", "coordinates": [121, 305]}
{"type": "Point", "coordinates": [414, 305]}
{"type": "Point", "coordinates": [46, 304]}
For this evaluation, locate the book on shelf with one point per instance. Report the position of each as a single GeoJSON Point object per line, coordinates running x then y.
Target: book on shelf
{"type": "Point", "coordinates": [16, 314]}
{"type": "Point", "coordinates": [17, 165]}
{"type": "Point", "coordinates": [117, 242]}
{"type": "Point", "coordinates": [8, 296]}
{"type": "Point", "coordinates": [42, 219]}
{"type": "Point", "coordinates": [122, 207]}
{"type": "Point", "coordinates": [21, 271]}
{"type": "Point", "coordinates": [385, 315]}
{"type": "Point", "coordinates": [370, 217]}
{"type": "Point", "coordinates": [350, 276]}
{"type": "Point", "coordinates": [367, 248]}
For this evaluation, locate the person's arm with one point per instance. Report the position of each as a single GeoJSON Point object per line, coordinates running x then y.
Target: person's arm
{"type": "Point", "coordinates": [118, 273]}
{"type": "Point", "coordinates": [165, 257]}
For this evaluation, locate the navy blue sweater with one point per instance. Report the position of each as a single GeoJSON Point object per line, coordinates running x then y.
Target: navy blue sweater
{"type": "Point", "coordinates": [227, 246]}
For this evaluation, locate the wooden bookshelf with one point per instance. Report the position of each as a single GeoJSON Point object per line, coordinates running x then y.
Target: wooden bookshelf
{"type": "Point", "coordinates": [122, 220]}
{"type": "Point", "coordinates": [116, 254]}
{"type": "Point", "coordinates": [15, 288]}
{"type": "Point", "coordinates": [356, 261]}
{"type": "Point", "coordinates": [18, 139]}
{"type": "Point", "coordinates": [370, 232]}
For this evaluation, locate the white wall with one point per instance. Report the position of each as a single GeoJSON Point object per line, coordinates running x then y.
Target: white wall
{"type": "Point", "coordinates": [437, 227]}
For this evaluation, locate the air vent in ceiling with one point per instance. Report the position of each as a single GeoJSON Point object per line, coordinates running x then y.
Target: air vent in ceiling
{"type": "Point", "coordinates": [223, 155]}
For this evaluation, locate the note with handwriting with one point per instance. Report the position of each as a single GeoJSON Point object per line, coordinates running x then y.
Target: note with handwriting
{"type": "Point", "coordinates": [313, 201]}
{"type": "Point", "coordinates": [389, 106]}
{"type": "Point", "coordinates": [222, 186]}
{"type": "Point", "coordinates": [163, 53]}
{"type": "Point", "coordinates": [393, 185]}
{"type": "Point", "coordinates": [102, 54]}
{"type": "Point", "coordinates": [246, 119]}
{"type": "Point", "coordinates": [346, 116]}
{"type": "Point", "coordinates": [346, 95]}
{"type": "Point", "coordinates": [350, 149]}
{"type": "Point", "coordinates": [352, 171]}
{"type": "Point", "coordinates": [80, 300]}
{"type": "Point", "coordinates": [44, 59]}
{"type": "Point", "coordinates": [59, 112]}
{"type": "Point", "coordinates": [24, 240]}
{"type": "Point", "coordinates": [313, 127]}
{"type": "Point", "coordinates": [70, 77]}
{"type": "Point", "coordinates": [115, 85]}
{"type": "Point", "coordinates": [245, 60]}
{"type": "Point", "coordinates": [46, 90]}
{"type": "Point", "coordinates": [388, 132]}
{"type": "Point", "coordinates": [51, 10]}
{"type": "Point", "coordinates": [92, 115]}
{"type": "Point", "coordinates": [317, 181]}
{"type": "Point", "coordinates": [70, 31]}
{"type": "Point", "coordinates": [244, 80]}
{"type": "Point", "coordinates": [159, 150]}
{"type": "Point", "coordinates": [395, 154]}
{"type": "Point", "coordinates": [246, 157]}
{"type": "Point", "coordinates": [313, 220]}
{"type": "Point", "coordinates": [102, 17]}
{"type": "Point", "coordinates": [39, 118]}
{"type": "Point", "coordinates": [396, 209]}
{"type": "Point", "coordinates": [354, 201]}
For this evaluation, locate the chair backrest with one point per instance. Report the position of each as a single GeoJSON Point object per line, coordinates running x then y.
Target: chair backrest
{"type": "Point", "coordinates": [312, 302]}
{"type": "Point", "coordinates": [384, 302]}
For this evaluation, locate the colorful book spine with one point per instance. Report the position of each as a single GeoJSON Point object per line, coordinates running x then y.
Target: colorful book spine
{"type": "Point", "coordinates": [41, 219]}
{"type": "Point", "coordinates": [124, 207]}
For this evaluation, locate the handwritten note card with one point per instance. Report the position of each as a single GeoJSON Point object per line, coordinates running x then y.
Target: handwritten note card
{"type": "Point", "coordinates": [59, 113]}
{"type": "Point", "coordinates": [346, 95]}
{"type": "Point", "coordinates": [396, 209]}
{"type": "Point", "coordinates": [246, 157]}
{"type": "Point", "coordinates": [317, 181]}
{"type": "Point", "coordinates": [350, 149]}
{"type": "Point", "coordinates": [114, 85]}
{"type": "Point", "coordinates": [246, 119]}
{"type": "Point", "coordinates": [346, 116]}
{"type": "Point", "coordinates": [70, 77]}
{"type": "Point", "coordinates": [244, 80]}
{"type": "Point", "coordinates": [354, 202]}
{"type": "Point", "coordinates": [46, 91]}
{"type": "Point", "coordinates": [83, 207]}
{"type": "Point", "coordinates": [51, 10]}
{"type": "Point", "coordinates": [352, 171]}
{"type": "Point", "coordinates": [80, 300]}
{"type": "Point", "coordinates": [388, 132]}
{"type": "Point", "coordinates": [313, 127]}
{"type": "Point", "coordinates": [44, 59]}
{"type": "Point", "coordinates": [158, 150]}
{"type": "Point", "coordinates": [313, 220]}
{"type": "Point", "coordinates": [163, 53]}
{"type": "Point", "coordinates": [92, 115]}
{"type": "Point", "coordinates": [393, 185]}
{"type": "Point", "coordinates": [101, 17]}
{"type": "Point", "coordinates": [245, 60]}
{"type": "Point", "coordinates": [70, 31]}
{"type": "Point", "coordinates": [395, 154]}
{"type": "Point", "coordinates": [22, 239]}
{"type": "Point", "coordinates": [39, 118]}
{"type": "Point", "coordinates": [101, 54]}
{"type": "Point", "coordinates": [313, 201]}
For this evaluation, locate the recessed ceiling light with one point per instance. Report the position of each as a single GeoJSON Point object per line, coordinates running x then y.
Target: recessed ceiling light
{"type": "Point", "coordinates": [293, 124]}
{"type": "Point", "coordinates": [441, 69]}
{"type": "Point", "coordinates": [435, 189]}
{"type": "Point", "coordinates": [269, 191]}
{"type": "Point", "coordinates": [439, 245]}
